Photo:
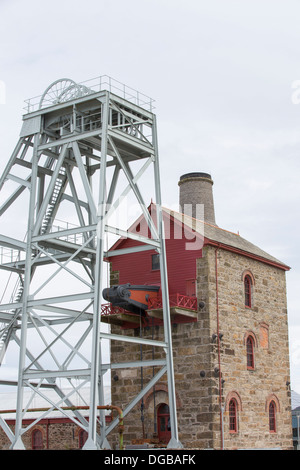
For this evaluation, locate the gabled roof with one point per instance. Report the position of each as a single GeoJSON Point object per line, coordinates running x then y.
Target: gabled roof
{"type": "Point", "coordinates": [212, 235]}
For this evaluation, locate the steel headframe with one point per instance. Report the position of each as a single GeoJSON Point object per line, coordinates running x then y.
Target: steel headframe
{"type": "Point", "coordinates": [66, 149]}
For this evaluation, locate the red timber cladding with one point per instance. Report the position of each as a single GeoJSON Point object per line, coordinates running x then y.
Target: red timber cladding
{"type": "Point", "coordinates": [136, 268]}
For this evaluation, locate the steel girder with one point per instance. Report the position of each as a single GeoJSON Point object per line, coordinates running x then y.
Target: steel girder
{"type": "Point", "coordinates": [62, 163]}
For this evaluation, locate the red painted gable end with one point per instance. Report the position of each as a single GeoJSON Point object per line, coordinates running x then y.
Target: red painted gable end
{"type": "Point", "coordinates": [136, 268]}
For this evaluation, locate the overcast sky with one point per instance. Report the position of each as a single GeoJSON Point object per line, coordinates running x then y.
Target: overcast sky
{"type": "Point", "coordinates": [222, 74]}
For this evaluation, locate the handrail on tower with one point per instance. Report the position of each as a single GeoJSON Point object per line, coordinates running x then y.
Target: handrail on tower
{"type": "Point", "coordinates": [65, 89]}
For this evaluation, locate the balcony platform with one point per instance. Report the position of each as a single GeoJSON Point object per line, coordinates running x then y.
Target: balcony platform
{"type": "Point", "coordinates": [183, 309]}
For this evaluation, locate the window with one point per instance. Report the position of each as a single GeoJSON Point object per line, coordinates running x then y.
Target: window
{"type": "Point", "coordinates": [272, 416]}
{"type": "Point", "coordinates": [82, 438]}
{"type": "Point", "coordinates": [155, 262]}
{"type": "Point", "coordinates": [37, 440]}
{"type": "Point", "coordinates": [247, 290]}
{"type": "Point", "coordinates": [232, 416]}
{"type": "Point", "coordinates": [250, 352]}
{"type": "Point", "coordinates": [233, 406]}
{"type": "Point", "coordinates": [272, 408]}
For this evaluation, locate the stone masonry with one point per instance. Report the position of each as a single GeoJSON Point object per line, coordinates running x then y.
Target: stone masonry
{"type": "Point", "coordinates": [211, 369]}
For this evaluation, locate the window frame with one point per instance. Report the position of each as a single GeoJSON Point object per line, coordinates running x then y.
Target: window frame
{"type": "Point", "coordinates": [37, 439]}
{"type": "Point", "coordinates": [163, 422]}
{"type": "Point", "coordinates": [248, 291]}
{"type": "Point", "coordinates": [233, 416]}
{"type": "Point", "coordinates": [155, 265]}
{"type": "Point", "coordinates": [272, 417]}
{"type": "Point", "coordinates": [250, 352]}
{"type": "Point", "coordinates": [82, 438]}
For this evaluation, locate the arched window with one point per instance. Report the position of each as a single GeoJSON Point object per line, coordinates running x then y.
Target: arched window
{"type": "Point", "coordinates": [272, 416]}
{"type": "Point", "coordinates": [250, 352]}
{"type": "Point", "coordinates": [82, 438]}
{"type": "Point", "coordinates": [232, 407]}
{"type": "Point", "coordinates": [37, 439]}
{"type": "Point", "coordinates": [272, 408]}
{"type": "Point", "coordinates": [248, 291]}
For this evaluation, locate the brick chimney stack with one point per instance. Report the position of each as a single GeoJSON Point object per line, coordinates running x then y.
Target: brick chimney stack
{"type": "Point", "coordinates": [196, 189]}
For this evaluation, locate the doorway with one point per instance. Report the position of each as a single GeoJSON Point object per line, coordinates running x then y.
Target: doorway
{"type": "Point", "coordinates": [163, 423]}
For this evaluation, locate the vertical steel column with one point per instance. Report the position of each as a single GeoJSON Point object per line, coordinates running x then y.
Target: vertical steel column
{"type": "Point", "coordinates": [174, 442]}
{"type": "Point", "coordinates": [96, 373]}
{"type": "Point", "coordinates": [17, 443]}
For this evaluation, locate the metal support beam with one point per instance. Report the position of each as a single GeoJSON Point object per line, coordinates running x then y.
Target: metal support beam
{"type": "Point", "coordinates": [75, 155]}
{"type": "Point", "coordinates": [174, 442]}
{"type": "Point", "coordinates": [17, 443]}
{"type": "Point", "coordinates": [91, 442]}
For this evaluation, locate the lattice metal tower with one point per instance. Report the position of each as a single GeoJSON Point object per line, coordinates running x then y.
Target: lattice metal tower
{"type": "Point", "coordinates": [83, 150]}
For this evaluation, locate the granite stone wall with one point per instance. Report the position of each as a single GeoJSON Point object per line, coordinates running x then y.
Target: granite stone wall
{"type": "Point", "coordinates": [208, 371]}
{"type": "Point", "coordinates": [56, 434]}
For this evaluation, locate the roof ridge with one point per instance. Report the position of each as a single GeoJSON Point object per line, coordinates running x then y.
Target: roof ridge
{"type": "Point", "coordinates": [203, 221]}
{"type": "Point", "coordinates": [228, 238]}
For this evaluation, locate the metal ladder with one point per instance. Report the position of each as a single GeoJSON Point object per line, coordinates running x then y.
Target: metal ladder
{"type": "Point", "coordinates": [17, 295]}
{"type": "Point", "coordinates": [58, 188]}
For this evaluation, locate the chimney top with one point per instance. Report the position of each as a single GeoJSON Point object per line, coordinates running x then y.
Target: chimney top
{"type": "Point", "coordinates": [195, 175]}
{"type": "Point", "coordinates": [196, 196]}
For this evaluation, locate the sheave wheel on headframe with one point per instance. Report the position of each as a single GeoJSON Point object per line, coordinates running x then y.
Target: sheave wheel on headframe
{"type": "Point", "coordinates": [60, 91]}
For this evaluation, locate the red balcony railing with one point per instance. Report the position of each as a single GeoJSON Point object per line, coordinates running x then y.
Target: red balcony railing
{"type": "Point", "coordinates": [176, 300]}
{"type": "Point", "coordinates": [109, 309]}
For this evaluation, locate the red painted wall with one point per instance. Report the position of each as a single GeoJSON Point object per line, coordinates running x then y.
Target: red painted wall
{"type": "Point", "coordinates": [136, 268]}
